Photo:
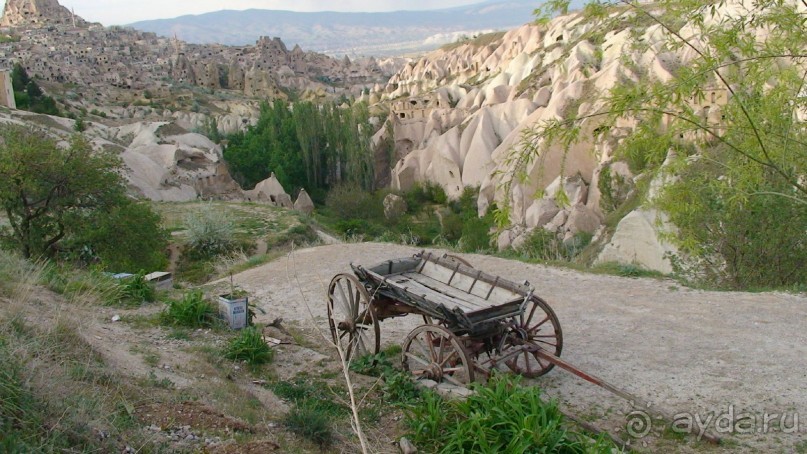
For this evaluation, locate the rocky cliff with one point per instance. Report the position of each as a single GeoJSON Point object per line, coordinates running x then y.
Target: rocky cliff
{"type": "Point", "coordinates": [38, 13]}
{"type": "Point", "coordinates": [460, 117]}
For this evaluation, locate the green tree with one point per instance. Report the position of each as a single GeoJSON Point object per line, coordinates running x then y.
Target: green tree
{"type": "Point", "coordinates": [126, 236]}
{"type": "Point", "coordinates": [19, 77]}
{"type": "Point", "coordinates": [749, 156]}
{"type": "Point", "coordinates": [54, 197]}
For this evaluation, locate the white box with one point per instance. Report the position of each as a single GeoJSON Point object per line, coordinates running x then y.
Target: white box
{"type": "Point", "coordinates": [234, 311]}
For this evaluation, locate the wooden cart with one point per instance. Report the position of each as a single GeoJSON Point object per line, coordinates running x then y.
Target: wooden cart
{"type": "Point", "coordinates": [473, 322]}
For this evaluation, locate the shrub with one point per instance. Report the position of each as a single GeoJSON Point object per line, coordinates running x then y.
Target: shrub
{"type": "Point", "coordinates": [736, 241]}
{"type": "Point", "coordinates": [249, 346]}
{"type": "Point", "coordinates": [310, 423]}
{"type": "Point", "coordinates": [137, 289]}
{"type": "Point", "coordinates": [192, 311]}
{"type": "Point", "coordinates": [210, 233]}
{"type": "Point", "coordinates": [350, 201]}
{"type": "Point", "coordinates": [424, 193]}
{"type": "Point", "coordinates": [128, 237]}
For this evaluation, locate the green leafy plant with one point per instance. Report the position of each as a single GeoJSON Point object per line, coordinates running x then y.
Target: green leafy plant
{"type": "Point", "coordinates": [310, 423]}
{"type": "Point", "coordinates": [501, 416]}
{"type": "Point", "coordinates": [249, 346]}
{"type": "Point", "coordinates": [192, 311]}
{"type": "Point", "coordinates": [729, 121]}
{"type": "Point", "coordinates": [137, 289]}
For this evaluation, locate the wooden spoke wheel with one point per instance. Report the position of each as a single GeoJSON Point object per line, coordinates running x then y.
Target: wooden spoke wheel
{"type": "Point", "coordinates": [537, 328]}
{"type": "Point", "coordinates": [354, 325]}
{"type": "Point", "coordinates": [435, 353]}
{"type": "Point", "coordinates": [457, 259]}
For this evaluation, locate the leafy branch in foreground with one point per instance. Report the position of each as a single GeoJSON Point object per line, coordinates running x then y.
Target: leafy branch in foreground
{"type": "Point", "coordinates": [730, 108]}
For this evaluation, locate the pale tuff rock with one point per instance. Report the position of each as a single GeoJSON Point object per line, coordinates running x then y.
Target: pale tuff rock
{"type": "Point", "coordinates": [175, 168]}
{"type": "Point", "coordinates": [304, 204]}
{"type": "Point", "coordinates": [532, 75]}
{"type": "Point", "coordinates": [636, 241]}
{"type": "Point", "coordinates": [38, 13]}
{"type": "Point", "coordinates": [541, 213]}
{"type": "Point", "coordinates": [270, 191]}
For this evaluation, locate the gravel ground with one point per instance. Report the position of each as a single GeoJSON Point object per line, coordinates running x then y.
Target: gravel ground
{"type": "Point", "coordinates": [731, 360]}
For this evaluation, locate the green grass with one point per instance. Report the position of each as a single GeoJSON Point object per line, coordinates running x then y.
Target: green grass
{"type": "Point", "coordinates": [249, 347]}
{"type": "Point", "coordinates": [501, 416]}
{"type": "Point", "coordinates": [312, 394]}
{"type": "Point", "coordinates": [251, 224]}
{"type": "Point", "coordinates": [192, 311]}
{"type": "Point", "coordinates": [310, 423]}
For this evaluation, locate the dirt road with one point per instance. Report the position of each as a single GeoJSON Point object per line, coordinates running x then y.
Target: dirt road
{"type": "Point", "coordinates": [735, 362]}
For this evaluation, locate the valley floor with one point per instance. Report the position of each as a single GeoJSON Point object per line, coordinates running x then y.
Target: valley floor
{"type": "Point", "coordinates": [729, 358]}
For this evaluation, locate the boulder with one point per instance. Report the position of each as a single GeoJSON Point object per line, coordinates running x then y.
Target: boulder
{"type": "Point", "coordinates": [284, 201]}
{"type": "Point", "coordinates": [304, 204]}
{"type": "Point", "coordinates": [575, 188]}
{"type": "Point", "coordinates": [394, 206]}
{"type": "Point", "coordinates": [583, 219]}
{"type": "Point", "coordinates": [558, 221]}
{"type": "Point", "coordinates": [269, 190]}
{"type": "Point", "coordinates": [541, 212]}
{"type": "Point", "coordinates": [637, 241]}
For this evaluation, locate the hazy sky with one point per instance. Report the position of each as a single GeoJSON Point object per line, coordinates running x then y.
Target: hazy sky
{"type": "Point", "coordinates": [119, 12]}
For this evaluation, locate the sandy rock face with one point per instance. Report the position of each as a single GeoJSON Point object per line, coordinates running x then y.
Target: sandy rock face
{"type": "Point", "coordinates": [636, 241]}
{"type": "Point", "coordinates": [270, 191]}
{"type": "Point", "coordinates": [304, 204]}
{"type": "Point", "coordinates": [175, 168]}
{"type": "Point", "coordinates": [37, 13]}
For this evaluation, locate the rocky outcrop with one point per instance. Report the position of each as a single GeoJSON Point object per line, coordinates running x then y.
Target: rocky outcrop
{"type": "Point", "coordinates": [270, 191]}
{"type": "Point", "coordinates": [304, 204]}
{"type": "Point", "coordinates": [638, 241]}
{"type": "Point", "coordinates": [461, 117]}
{"type": "Point", "coordinates": [394, 206]}
{"type": "Point", "coordinates": [38, 13]}
{"type": "Point", "coordinates": [175, 168]}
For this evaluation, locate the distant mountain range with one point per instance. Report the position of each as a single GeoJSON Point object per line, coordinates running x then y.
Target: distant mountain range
{"type": "Point", "coordinates": [334, 33]}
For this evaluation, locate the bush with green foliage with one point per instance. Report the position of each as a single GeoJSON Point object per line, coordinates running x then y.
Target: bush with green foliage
{"type": "Point", "coordinates": [310, 423]}
{"type": "Point", "coordinates": [138, 290]}
{"type": "Point", "coordinates": [735, 187]}
{"type": "Point", "coordinates": [351, 201]}
{"type": "Point", "coordinates": [192, 311]}
{"type": "Point", "coordinates": [250, 347]}
{"type": "Point", "coordinates": [501, 416]}
{"type": "Point", "coordinates": [127, 237]}
{"type": "Point", "coordinates": [210, 233]}
{"type": "Point", "coordinates": [67, 201]}
{"type": "Point", "coordinates": [421, 194]}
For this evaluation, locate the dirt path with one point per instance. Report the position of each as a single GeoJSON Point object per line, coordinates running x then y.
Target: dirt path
{"type": "Point", "coordinates": [736, 357]}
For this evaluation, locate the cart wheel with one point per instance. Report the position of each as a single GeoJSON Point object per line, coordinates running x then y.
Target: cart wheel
{"type": "Point", "coordinates": [435, 353]}
{"type": "Point", "coordinates": [537, 328]}
{"type": "Point", "coordinates": [457, 259]}
{"type": "Point", "coordinates": [352, 318]}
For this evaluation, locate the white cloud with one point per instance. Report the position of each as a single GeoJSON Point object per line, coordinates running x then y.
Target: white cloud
{"type": "Point", "coordinates": [117, 12]}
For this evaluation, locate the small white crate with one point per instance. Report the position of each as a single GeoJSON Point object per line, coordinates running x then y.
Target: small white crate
{"type": "Point", "coordinates": [234, 311]}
